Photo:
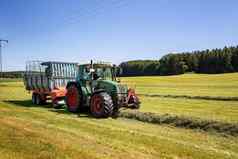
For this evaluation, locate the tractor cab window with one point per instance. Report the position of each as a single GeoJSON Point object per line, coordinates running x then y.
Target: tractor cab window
{"type": "Point", "coordinates": [107, 73]}
{"type": "Point", "coordinates": [85, 73]}
{"type": "Point", "coordinates": [104, 73]}
{"type": "Point", "coordinates": [99, 72]}
{"type": "Point", "coordinates": [87, 69]}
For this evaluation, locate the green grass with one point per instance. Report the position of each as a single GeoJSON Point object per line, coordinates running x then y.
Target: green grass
{"type": "Point", "coordinates": [225, 111]}
{"type": "Point", "coordinates": [28, 131]}
{"type": "Point", "coordinates": [221, 85]}
{"type": "Point", "coordinates": [223, 128]}
{"type": "Point", "coordinates": [10, 80]}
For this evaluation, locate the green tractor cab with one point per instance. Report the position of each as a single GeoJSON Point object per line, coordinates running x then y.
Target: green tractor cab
{"type": "Point", "coordinates": [96, 87]}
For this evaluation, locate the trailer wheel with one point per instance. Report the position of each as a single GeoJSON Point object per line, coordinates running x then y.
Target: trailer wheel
{"type": "Point", "coordinates": [33, 98]}
{"type": "Point", "coordinates": [38, 99]}
{"type": "Point", "coordinates": [73, 98]}
{"type": "Point", "coordinates": [44, 100]}
{"type": "Point", "coordinates": [101, 105]}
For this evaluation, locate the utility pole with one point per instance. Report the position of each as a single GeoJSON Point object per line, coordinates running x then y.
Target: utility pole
{"type": "Point", "coordinates": [6, 41]}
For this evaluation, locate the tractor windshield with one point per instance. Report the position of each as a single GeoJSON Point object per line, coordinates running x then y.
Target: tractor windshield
{"type": "Point", "coordinates": [104, 73]}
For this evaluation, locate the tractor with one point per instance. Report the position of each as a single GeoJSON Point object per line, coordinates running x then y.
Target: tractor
{"type": "Point", "coordinates": [97, 88]}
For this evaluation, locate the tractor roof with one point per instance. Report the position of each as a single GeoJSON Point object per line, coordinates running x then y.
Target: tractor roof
{"type": "Point", "coordinates": [96, 65]}
{"type": "Point", "coordinates": [56, 62]}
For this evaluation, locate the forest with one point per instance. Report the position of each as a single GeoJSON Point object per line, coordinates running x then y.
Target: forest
{"type": "Point", "coordinates": [213, 61]}
{"type": "Point", "coordinates": [12, 74]}
{"type": "Point", "coordinates": [206, 61]}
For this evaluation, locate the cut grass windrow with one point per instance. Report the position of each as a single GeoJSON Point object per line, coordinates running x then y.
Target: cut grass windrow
{"type": "Point", "coordinates": [192, 97]}
{"type": "Point", "coordinates": [184, 122]}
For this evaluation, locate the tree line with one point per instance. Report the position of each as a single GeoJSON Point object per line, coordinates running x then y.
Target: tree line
{"type": "Point", "coordinates": [206, 61]}
{"type": "Point", "coordinates": [12, 74]}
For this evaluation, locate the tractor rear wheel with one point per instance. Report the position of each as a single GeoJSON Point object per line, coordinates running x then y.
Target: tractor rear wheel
{"type": "Point", "coordinates": [101, 105]}
{"type": "Point", "coordinates": [73, 98]}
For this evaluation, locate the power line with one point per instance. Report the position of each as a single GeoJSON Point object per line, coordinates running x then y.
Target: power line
{"type": "Point", "coordinates": [6, 41]}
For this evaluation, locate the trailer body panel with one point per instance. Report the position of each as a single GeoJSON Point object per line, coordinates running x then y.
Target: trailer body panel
{"type": "Point", "coordinates": [49, 75]}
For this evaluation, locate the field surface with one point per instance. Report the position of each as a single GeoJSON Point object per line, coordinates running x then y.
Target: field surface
{"type": "Point", "coordinates": [29, 131]}
{"type": "Point", "coordinates": [192, 86]}
{"type": "Point", "coordinates": [218, 85]}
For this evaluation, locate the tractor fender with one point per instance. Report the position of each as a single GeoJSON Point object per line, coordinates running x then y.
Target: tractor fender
{"type": "Point", "coordinates": [98, 91]}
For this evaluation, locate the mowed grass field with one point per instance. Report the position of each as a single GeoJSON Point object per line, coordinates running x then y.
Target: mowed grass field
{"type": "Point", "coordinates": [221, 85]}
{"type": "Point", "coordinates": [217, 85]}
{"type": "Point", "coordinates": [29, 131]}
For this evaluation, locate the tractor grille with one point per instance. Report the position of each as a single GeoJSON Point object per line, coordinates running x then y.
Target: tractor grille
{"type": "Point", "coordinates": [122, 89]}
{"type": "Point", "coordinates": [122, 94]}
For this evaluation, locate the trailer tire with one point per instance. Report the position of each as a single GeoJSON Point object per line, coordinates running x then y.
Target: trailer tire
{"type": "Point", "coordinates": [101, 105]}
{"type": "Point", "coordinates": [43, 100]}
{"type": "Point", "coordinates": [38, 99]}
{"type": "Point", "coordinates": [33, 98]}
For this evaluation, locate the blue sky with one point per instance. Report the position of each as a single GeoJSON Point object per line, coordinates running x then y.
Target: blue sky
{"type": "Point", "coordinates": [112, 30]}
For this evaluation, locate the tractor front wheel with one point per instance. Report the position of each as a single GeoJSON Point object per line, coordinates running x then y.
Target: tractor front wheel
{"type": "Point", "coordinates": [73, 98]}
{"type": "Point", "coordinates": [101, 105]}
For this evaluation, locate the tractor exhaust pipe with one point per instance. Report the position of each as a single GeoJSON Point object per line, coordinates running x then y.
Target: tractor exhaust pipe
{"type": "Point", "coordinates": [91, 63]}
{"type": "Point", "coordinates": [91, 69]}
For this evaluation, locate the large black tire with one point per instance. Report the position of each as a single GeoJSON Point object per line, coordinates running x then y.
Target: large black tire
{"type": "Point", "coordinates": [101, 105]}
{"type": "Point", "coordinates": [38, 99]}
{"type": "Point", "coordinates": [33, 98]}
{"type": "Point", "coordinates": [73, 98]}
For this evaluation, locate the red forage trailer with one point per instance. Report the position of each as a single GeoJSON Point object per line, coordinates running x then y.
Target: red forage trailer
{"type": "Point", "coordinates": [48, 80]}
